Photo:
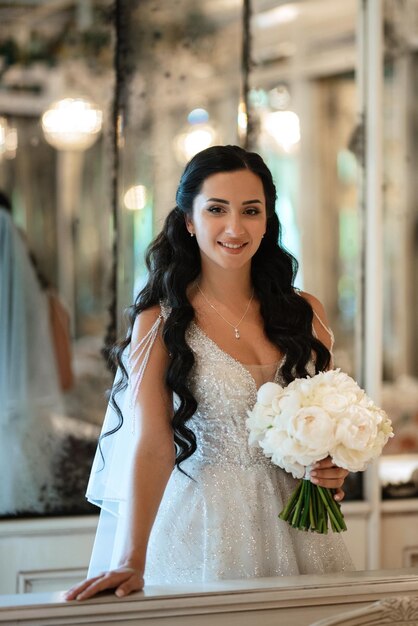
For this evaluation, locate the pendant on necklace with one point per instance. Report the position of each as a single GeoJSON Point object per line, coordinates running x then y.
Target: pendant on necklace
{"type": "Point", "coordinates": [237, 335]}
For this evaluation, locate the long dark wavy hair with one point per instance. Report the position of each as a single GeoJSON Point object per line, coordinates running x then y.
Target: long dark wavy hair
{"type": "Point", "coordinates": [173, 262]}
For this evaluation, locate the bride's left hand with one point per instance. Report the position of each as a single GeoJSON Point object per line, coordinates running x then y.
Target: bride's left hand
{"type": "Point", "coordinates": [326, 474]}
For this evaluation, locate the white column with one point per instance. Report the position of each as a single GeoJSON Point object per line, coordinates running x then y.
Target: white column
{"type": "Point", "coordinates": [371, 86]}
{"type": "Point", "coordinates": [69, 167]}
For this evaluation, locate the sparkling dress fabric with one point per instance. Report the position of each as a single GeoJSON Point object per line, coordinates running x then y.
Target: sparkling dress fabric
{"type": "Point", "coordinates": [222, 522]}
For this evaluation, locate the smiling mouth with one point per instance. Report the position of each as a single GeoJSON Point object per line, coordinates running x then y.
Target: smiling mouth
{"type": "Point", "coordinates": [232, 246]}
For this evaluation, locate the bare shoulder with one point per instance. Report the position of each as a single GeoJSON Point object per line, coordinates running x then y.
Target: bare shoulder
{"type": "Point", "coordinates": [320, 321]}
{"type": "Point", "coordinates": [144, 322]}
{"type": "Point", "coordinates": [316, 305]}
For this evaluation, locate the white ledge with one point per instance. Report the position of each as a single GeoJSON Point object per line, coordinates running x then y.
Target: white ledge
{"type": "Point", "coordinates": [403, 505]}
{"type": "Point", "coordinates": [296, 598]}
{"type": "Point", "coordinates": [48, 525]}
{"type": "Point", "coordinates": [356, 508]}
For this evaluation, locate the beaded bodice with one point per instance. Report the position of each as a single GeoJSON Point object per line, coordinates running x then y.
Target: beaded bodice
{"type": "Point", "coordinates": [225, 390]}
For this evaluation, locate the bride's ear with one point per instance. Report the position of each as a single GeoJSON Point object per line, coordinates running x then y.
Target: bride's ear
{"type": "Point", "coordinates": [189, 225]}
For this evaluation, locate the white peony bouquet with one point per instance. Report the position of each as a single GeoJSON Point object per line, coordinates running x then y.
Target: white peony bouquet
{"type": "Point", "coordinates": [309, 420]}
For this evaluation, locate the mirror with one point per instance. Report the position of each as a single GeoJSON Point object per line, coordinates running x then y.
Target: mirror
{"type": "Point", "coordinates": [303, 110]}
{"type": "Point", "coordinates": [55, 165]}
{"type": "Point", "coordinates": [400, 231]}
{"type": "Point", "coordinates": [293, 75]}
{"type": "Point", "coordinates": [180, 91]}
{"type": "Point", "coordinates": [303, 115]}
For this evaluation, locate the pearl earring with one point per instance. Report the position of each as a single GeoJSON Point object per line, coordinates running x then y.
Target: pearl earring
{"type": "Point", "coordinates": [191, 234]}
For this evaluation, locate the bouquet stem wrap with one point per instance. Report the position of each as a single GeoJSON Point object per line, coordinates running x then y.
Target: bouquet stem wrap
{"type": "Point", "coordinates": [327, 415]}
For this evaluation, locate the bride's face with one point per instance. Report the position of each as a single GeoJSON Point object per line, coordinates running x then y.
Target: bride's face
{"type": "Point", "coordinates": [229, 218]}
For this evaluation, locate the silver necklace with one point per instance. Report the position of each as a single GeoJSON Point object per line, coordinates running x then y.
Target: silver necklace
{"type": "Point", "coordinates": [234, 326]}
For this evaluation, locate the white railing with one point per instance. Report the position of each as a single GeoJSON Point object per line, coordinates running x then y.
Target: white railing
{"type": "Point", "coordinates": [294, 601]}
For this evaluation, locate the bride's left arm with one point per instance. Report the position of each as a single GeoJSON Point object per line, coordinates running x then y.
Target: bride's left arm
{"type": "Point", "coordinates": [325, 473]}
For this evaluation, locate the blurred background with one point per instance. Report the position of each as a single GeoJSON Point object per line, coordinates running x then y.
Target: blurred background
{"type": "Point", "coordinates": [101, 105]}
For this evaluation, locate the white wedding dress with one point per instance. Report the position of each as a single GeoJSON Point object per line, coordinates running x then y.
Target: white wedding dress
{"type": "Point", "coordinates": [221, 521]}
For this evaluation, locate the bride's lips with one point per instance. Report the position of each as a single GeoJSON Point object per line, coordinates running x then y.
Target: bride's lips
{"type": "Point", "coordinates": [232, 247]}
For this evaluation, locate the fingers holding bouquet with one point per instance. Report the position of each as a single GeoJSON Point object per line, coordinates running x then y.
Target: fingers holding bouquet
{"type": "Point", "coordinates": [326, 474]}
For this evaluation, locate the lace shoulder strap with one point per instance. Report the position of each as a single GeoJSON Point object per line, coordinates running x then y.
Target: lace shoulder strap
{"type": "Point", "coordinates": [165, 310]}
{"type": "Point", "coordinates": [139, 356]}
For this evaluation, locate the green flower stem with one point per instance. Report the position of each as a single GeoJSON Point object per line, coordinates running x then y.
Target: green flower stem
{"type": "Point", "coordinates": [306, 501]}
{"type": "Point", "coordinates": [335, 515]}
{"type": "Point", "coordinates": [338, 513]}
{"type": "Point", "coordinates": [336, 508]}
{"type": "Point", "coordinates": [321, 526]}
{"type": "Point", "coordinates": [312, 512]}
{"type": "Point", "coordinates": [298, 507]}
{"type": "Point", "coordinates": [313, 508]}
{"type": "Point", "coordinates": [285, 514]}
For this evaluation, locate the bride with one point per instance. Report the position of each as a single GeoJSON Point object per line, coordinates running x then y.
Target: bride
{"type": "Point", "coordinates": [184, 497]}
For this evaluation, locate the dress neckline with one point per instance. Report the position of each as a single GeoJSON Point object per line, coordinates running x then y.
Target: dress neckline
{"type": "Point", "coordinates": [243, 366]}
{"type": "Point", "coordinates": [262, 365]}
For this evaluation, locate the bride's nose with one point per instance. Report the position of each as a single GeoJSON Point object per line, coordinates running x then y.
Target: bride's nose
{"type": "Point", "coordinates": [234, 226]}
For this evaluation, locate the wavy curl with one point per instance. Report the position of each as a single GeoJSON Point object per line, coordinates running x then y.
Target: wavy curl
{"type": "Point", "coordinates": [173, 263]}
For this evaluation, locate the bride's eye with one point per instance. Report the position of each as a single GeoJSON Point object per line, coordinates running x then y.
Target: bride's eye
{"type": "Point", "coordinates": [252, 211]}
{"type": "Point", "coordinates": [215, 209]}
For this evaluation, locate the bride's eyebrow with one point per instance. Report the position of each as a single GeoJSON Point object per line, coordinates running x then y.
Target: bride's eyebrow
{"type": "Point", "coordinates": [217, 200]}
{"type": "Point", "coordinates": [255, 201]}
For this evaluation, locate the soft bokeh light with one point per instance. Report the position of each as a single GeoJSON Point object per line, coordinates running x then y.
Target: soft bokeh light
{"type": "Point", "coordinates": [242, 118]}
{"type": "Point", "coordinates": [279, 98]}
{"type": "Point", "coordinates": [284, 128]}
{"type": "Point", "coordinates": [135, 198]}
{"type": "Point", "coordinates": [189, 143]}
{"type": "Point", "coordinates": [278, 15]}
{"type": "Point", "coordinates": [8, 139]}
{"type": "Point", "coordinates": [198, 116]}
{"type": "Point", "coordinates": [72, 124]}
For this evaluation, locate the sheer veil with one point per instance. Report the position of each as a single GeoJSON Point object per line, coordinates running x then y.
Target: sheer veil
{"type": "Point", "coordinates": [29, 388]}
{"type": "Point", "coordinates": [109, 481]}
{"type": "Point", "coordinates": [108, 484]}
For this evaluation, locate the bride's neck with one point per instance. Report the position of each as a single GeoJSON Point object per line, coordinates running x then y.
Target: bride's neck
{"type": "Point", "coordinates": [226, 287]}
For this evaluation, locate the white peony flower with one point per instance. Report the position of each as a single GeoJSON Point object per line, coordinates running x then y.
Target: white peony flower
{"type": "Point", "coordinates": [385, 432]}
{"type": "Point", "coordinates": [291, 466]}
{"type": "Point", "coordinates": [274, 442]}
{"type": "Point", "coordinates": [288, 453]}
{"type": "Point", "coordinates": [357, 428]}
{"type": "Point", "coordinates": [268, 392]}
{"type": "Point", "coordinates": [313, 428]}
{"type": "Point", "coordinates": [361, 433]}
{"type": "Point", "coordinates": [283, 452]}
{"type": "Point", "coordinates": [259, 420]}
{"type": "Point", "coordinates": [351, 459]}
{"type": "Point", "coordinates": [285, 406]}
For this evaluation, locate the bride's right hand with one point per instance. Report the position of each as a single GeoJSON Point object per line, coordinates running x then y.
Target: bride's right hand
{"type": "Point", "coordinates": [124, 580]}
